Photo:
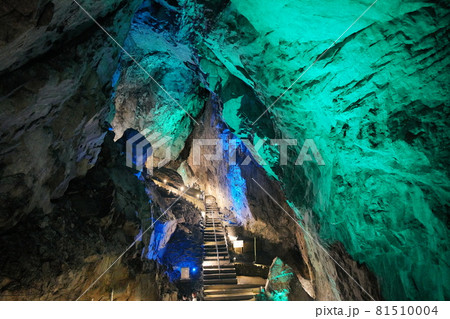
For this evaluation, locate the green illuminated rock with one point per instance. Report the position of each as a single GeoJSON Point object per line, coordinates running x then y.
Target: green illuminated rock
{"type": "Point", "coordinates": [376, 104]}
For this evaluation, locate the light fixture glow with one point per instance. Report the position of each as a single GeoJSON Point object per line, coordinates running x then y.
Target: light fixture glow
{"type": "Point", "coordinates": [238, 244]}
{"type": "Point", "coordinates": [184, 273]}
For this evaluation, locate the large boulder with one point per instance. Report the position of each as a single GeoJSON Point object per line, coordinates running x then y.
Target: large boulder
{"type": "Point", "coordinates": [282, 283]}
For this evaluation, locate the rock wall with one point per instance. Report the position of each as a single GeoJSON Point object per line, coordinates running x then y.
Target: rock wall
{"type": "Point", "coordinates": [376, 106]}
{"type": "Point", "coordinates": [66, 217]}
{"type": "Point", "coordinates": [161, 93]}
{"type": "Point", "coordinates": [236, 193]}
{"type": "Point", "coordinates": [56, 67]}
{"type": "Point", "coordinates": [58, 256]}
{"type": "Point", "coordinates": [270, 217]}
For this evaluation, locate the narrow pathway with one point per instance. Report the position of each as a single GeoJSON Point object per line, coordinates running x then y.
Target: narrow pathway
{"type": "Point", "coordinates": [189, 196]}
{"type": "Point", "coordinates": [219, 274]}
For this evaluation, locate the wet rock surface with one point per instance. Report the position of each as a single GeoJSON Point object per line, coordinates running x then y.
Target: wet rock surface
{"type": "Point", "coordinates": [375, 105]}
{"type": "Point", "coordinates": [240, 198]}
{"type": "Point", "coordinates": [167, 61]}
{"type": "Point", "coordinates": [55, 81]}
{"type": "Point", "coordinates": [58, 256]}
{"type": "Point", "coordinates": [282, 284]}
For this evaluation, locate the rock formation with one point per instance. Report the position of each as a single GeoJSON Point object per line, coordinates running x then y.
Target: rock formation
{"type": "Point", "coordinates": [372, 222]}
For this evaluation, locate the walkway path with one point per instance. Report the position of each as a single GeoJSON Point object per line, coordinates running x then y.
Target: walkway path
{"type": "Point", "coordinates": [189, 196]}
{"type": "Point", "coordinates": [219, 273]}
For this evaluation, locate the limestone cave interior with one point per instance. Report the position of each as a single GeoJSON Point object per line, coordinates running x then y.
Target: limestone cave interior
{"type": "Point", "coordinates": [252, 150]}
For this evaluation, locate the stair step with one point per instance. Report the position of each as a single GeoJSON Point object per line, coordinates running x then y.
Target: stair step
{"type": "Point", "coordinates": [232, 281]}
{"type": "Point", "coordinates": [213, 248]}
{"type": "Point", "coordinates": [215, 253]}
{"type": "Point", "coordinates": [212, 264]}
{"type": "Point", "coordinates": [212, 256]}
{"type": "Point", "coordinates": [215, 257]}
{"type": "Point", "coordinates": [231, 291]}
{"type": "Point", "coordinates": [213, 243]}
{"type": "Point", "coordinates": [224, 297]}
{"type": "Point", "coordinates": [222, 270]}
{"type": "Point", "coordinates": [219, 275]}
{"type": "Point", "coordinates": [230, 287]}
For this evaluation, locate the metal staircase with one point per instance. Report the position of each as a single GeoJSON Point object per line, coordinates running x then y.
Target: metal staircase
{"type": "Point", "coordinates": [219, 274]}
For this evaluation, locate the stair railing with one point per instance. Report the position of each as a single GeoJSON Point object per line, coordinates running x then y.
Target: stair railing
{"type": "Point", "coordinates": [215, 240]}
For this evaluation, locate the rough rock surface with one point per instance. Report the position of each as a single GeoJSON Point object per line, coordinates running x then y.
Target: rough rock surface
{"type": "Point", "coordinates": [242, 193]}
{"type": "Point", "coordinates": [55, 78]}
{"type": "Point", "coordinates": [167, 62]}
{"type": "Point", "coordinates": [376, 105]}
{"type": "Point", "coordinates": [64, 217]}
{"type": "Point", "coordinates": [58, 256]}
{"type": "Point", "coordinates": [233, 186]}
{"type": "Point", "coordinates": [177, 238]}
{"type": "Point", "coordinates": [282, 283]}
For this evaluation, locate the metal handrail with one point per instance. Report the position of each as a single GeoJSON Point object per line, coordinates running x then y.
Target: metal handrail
{"type": "Point", "coordinates": [217, 247]}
